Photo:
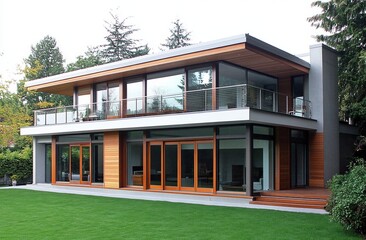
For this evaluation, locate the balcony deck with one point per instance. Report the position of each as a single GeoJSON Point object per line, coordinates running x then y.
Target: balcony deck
{"type": "Point", "coordinates": [211, 99]}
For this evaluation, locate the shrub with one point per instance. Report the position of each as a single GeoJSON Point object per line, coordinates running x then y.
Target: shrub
{"type": "Point", "coordinates": [347, 203]}
{"type": "Point", "coordinates": [16, 163]}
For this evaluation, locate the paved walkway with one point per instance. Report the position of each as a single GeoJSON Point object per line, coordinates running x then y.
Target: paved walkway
{"type": "Point", "coordinates": [158, 196]}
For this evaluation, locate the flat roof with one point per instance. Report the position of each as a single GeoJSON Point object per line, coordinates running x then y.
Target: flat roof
{"type": "Point", "coordinates": [250, 43]}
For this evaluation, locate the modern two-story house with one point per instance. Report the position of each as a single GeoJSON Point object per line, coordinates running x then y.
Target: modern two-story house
{"type": "Point", "coordinates": [233, 116]}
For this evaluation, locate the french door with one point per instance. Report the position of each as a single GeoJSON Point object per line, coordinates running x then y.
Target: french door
{"type": "Point", "coordinates": [80, 164]}
{"type": "Point", "coordinates": [299, 165]}
{"type": "Point", "coordinates": [187, 166]}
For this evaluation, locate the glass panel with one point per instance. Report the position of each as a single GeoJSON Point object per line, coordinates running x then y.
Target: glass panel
{"type": "Point", "coordinates": [134, 164]}
{"type": "Point", "coordinates": [183, 132]}
{"type": "Point", "coordinates": [205, 165]}
{"type": "Point", "coordinates": [83, 106]}
{"type": "Point", "coordinates": [263, 96]}
{"type": "Point", "coordinates": [199, 79]}
{"type": "Point", "coordinates": [75, 163]}
{"type": "Point", "coordinates": [171, 167]}
{"type": "Point", "coordinates": [97, 163]}
{"type": "Point", "coordinates": [74, 138]}
{"type": "Point", "coordinates": [232, 131]}
{"type": "Point", "coordinates": [298, 87]}
{"type": "Point", "coordinates": [262, 81]}
{"type": "Point", "coordinates": [85, 163]}
{"type": "Point", "coordinates": [51, 116]}
{"type": "Point", "coordinates": [232, 165]}
{"type": "Point", "coordinates": [62, 163]}
{"type": "Point", "coordinates": [48, 163]}
{"type": "Point", "coordinates": [230, 97]}
{"type": "Point", "coordinates": [262, 130]}
{"type": "Point", "coordinates": [155, 164]}
{"type": "Point", "coordinates": [298, 164]}
{"type": "Point", "coordinates": [113, 99]}
{"type": "Point", "coordinates": [101, 98]}
{"type": "Point", "coordinates": [262, 171]}
{"type": "Point", "coordinates": [187, 162]}
{"type": "Point", "coordinates": [40, 118]}
{"type": "Point", "coordinates": [164, 91]}
{"type": "Point", "coordinates": [134, 97]}
{"type": "Point", "coordinates": [61, 115]}
{"type": "Point", "coordinates": [135, 135]}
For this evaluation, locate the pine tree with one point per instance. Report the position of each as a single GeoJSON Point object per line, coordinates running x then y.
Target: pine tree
{"type": "Point", "coordinates": [92, 57]}
{"type": "Point", "coordinates": [179, 36]}
{"type": "Point", "coordinates": [120, 45]}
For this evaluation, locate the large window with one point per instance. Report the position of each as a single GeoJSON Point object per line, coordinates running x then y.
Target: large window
{"type": "Point", "coordinates": [107, 100]}
{"type": "Point", "coordinates": [83, 102]}
{"type": "Point", "coordinates": [200, 86]}
{"type": "Point", "coordinates": [134, 158]}
{"type": "Point", "coordinates": [262, 93]}
{"type": "Point", "coordinates": [164, 91]}
{"type": "Point", "coordinates": [97, 163]}
{"type": "Point", "coordinates": [231, 86]}
{"type": "Point", "coordinates": [135, 96]}
{"type": "Point", "coordinates": [232, 158]}
{"type": "Point", "coordinates": [48, 163]}
{"type": "Point", "coordinates": [63, 163]}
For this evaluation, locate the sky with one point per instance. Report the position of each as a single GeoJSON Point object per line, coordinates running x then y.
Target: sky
{"type": "Point", "coordinates": [77, 24]}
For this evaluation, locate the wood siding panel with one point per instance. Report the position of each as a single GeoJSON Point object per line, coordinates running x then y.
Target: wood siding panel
{"type": "Point", "coordinates": [283, 154]}
{"type": "Point", "coordinates": [316, 160]}
{"type": "Point", "coordinates": [285, 88]}
{"type": "Point", "coordinates": [111, 160]}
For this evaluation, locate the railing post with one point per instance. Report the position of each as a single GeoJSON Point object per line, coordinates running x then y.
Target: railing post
{"type": "Point", "coordinates": [260, 98]}
{"type": "Point", "coordinates": [286, 104]}
{"type": "Point", "coordinates": [35, 118]}
{"type": "Point", "coordinates": [274, 101]}
{"type": "Point", "coordinates": [161, 103]}
{"type": "Point", "coordinates": [205, 103]}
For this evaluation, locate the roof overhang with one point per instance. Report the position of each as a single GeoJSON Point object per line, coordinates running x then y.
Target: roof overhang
{"type": "Point", "coordinates": [243, 50]}
{"type": "Point", "coordinates": [193, 119]}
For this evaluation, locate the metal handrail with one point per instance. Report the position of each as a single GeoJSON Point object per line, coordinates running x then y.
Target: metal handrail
{"type": "Point", "coordinates": [235, 96]}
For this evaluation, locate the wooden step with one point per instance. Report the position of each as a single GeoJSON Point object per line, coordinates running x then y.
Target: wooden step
{"type": "Point", "coordinates": [295, 195]}
{"type": "Point", "coordinates": [287, 204]}
{"type": "Point", "coordinates": [296, 200]}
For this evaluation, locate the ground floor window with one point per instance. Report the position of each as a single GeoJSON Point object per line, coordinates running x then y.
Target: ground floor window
{"type": "Point", "coordinates": [262, 170]}
{"type": "Point", "coordinates": [79, 159]}
{"type": "Point", "coordinates": [232, 164]}
{"type": "Point", "coordinates": [135, 164]}
{"type": "Point", "coordinates": [48, 163]}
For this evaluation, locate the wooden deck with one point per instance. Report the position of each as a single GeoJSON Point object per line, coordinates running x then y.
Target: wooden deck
{"type": "Point", "coordinates": [302, 198]}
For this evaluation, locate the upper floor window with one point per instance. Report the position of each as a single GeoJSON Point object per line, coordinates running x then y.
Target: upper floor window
{"type": "Point", "coordinates": [199, 85]}
{"type": "Point", "coordinates": [135, 95]}
{"type": "Point", "coordinates": [107, 99]}
{"type": "Point", "coordinates": [164, 90]}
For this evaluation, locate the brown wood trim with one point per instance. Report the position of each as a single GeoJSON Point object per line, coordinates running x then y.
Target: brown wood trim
{"type": "Point", "coordinates": [282, 162]}
{"type": "Point", "coordinates": [276, 58]}
{"type": "Point", "coordinates": [53, 160]}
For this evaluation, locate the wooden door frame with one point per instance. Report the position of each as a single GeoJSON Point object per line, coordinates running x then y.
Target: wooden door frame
{"type": "Point", "coordinates": [178, 166]}
{"type": "Point", "coordinates": [198, 189]}
{"type": "Point", "coordinates": [162, 166]}
{"type": "Point", "coordinates": [80, 145]}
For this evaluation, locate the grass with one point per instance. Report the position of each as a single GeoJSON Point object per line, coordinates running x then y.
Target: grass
{"type": "Point", "coordinates": [26, 214]}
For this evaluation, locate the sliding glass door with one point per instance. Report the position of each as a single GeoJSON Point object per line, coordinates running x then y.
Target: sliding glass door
{"type": "Point", "coordinates": [80, 163]}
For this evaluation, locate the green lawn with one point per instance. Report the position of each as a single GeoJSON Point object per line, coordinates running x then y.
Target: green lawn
{"type": "Point", "coordinates": [26, 214]}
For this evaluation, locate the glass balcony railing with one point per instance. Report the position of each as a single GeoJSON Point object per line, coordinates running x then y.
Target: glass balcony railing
{"type": "Point", "coordinates": [213, 99]}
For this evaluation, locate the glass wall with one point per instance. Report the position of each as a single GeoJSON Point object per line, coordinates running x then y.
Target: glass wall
{"type": "Point", "coordinates": [187, 165]}
{"type": "Point", "coordinates": [134, 164]}
{"type": "Point", "coordinates": [97, 163]}
{"type": "Point", "coordinates": [231, 92]}
{"type": "Point", "coordinates": [164, 91]}
{"type": "Point", "coordinates": [263, 94]}
{"type": "Point", "coordinates": [63, 163]}
{"type": "Point", "coordinates": [83, 102]}
{"type": "Point", "coordinates": [299, 158]}
{"type": "Point", "coordinates": [171, 165]}
{"type": "Point", "coordinates": [199, 79]}
{"type": "Point", "coordinates": [135, 96]}
{"type": "Point", "coordinates": [107, 99]}
{"type": "Point", "coordinates": [205, 165]}
{"type": "Point", "coordinates": [232, 158]}
{"type": "Point", "coordinates": [232, 165]}
{"type": "Point", "coordinates": [48, 163]}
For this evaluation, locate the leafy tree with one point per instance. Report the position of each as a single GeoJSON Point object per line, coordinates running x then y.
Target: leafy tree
{"type": "Point", "coordinates": [13, 116]}
{"type": "Point", "coordinates": [92, 57]}
{"type": "Point", "coordinates": [45, 60]}
{"type": "Point", "coordinates": [344, 24]}
{"type": "Point", "coordinates": [120, 44]}
{"type": "Point", "coordinates": [179, 36]}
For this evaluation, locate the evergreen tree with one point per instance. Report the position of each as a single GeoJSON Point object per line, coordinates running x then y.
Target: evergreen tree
{"type": "Point", "coordinates": [179, 36]}
{"type": "Point", "coordinates": [120, 44]}
{"type": "Point", "coordinates": [91, 58]}
{"type": "Point", "coordinates": [45, 60]}
{"type": "Point", "coordinates": [344, 24]}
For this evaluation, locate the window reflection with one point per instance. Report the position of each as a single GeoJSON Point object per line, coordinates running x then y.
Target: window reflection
{"type": "Point", "coordinates": [134, 97]}
{"type": "Point", "coordinates": [199, 79]}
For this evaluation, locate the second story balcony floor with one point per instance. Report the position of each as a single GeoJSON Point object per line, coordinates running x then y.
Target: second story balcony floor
{"type": "Point", "coordinates": [207, 99]}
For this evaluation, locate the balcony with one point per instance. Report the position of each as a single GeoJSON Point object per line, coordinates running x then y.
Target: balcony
{"type": "Point", "coordinates": [212, 99]}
